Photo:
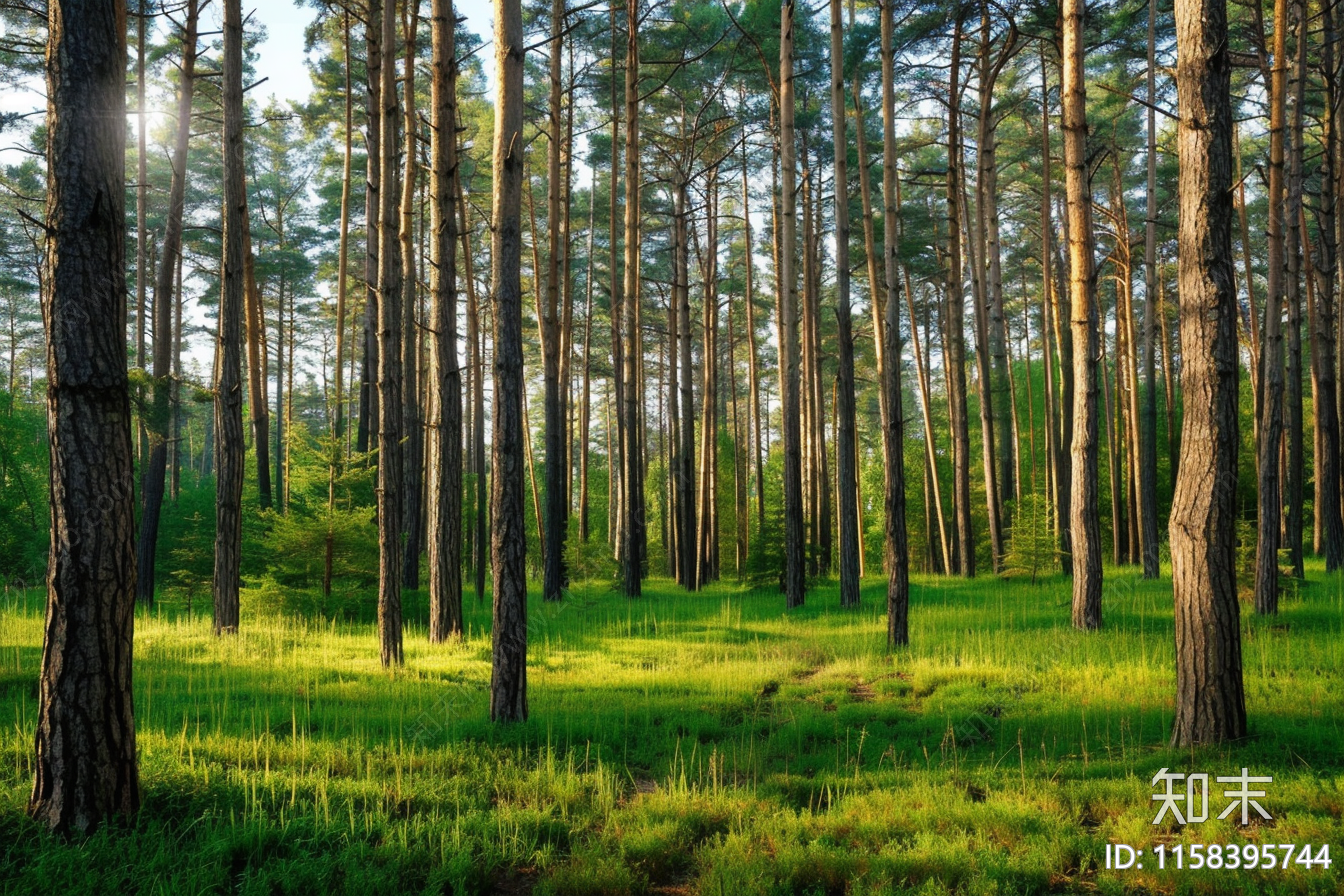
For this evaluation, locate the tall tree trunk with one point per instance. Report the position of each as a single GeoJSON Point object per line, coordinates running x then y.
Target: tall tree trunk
{"type": "Point", "coordinates": [159, 423]}
{"type": "Point", "coordinates": [753, 371]}
{"type": "Point", "coordinates": [954, 326]}
{"type": "Point", "coordinates": [1084, 518]}
{"type": "Point", "coordinates": [229, 457]}
{"type": "Point", "coordinates": [85, 760]}
{"type": "Point", "coordinates": [846, 449]}
{"type": "Point", "coordinates": [557, 475]}
{"type": "Point", "coordinates": [795, 583]}
{"type": "Point", "coordinates": [1147, 471]}
{"type": "Point", "coordinates": [586, 407]}
{"type": "Point", "coordinates": [1271, 355]}
{"type": "Point", "coordinates": [1323, 370]}
{"type": "Point", "coordinates": [413, 434]}
{"type": "Point", "coordinates": [615, 488]}
{"type": "Point", "coordinates": [1210, 705]}
{"type": "Point", "coordinates": [390, 482]}
{"type": "Point", "coordinates": [475, 336]}
{"type": "Point", "coordinates": [373, 141]}
{"type": "Point", "coordinates": [445, 468]}
{"type": "Point", "coordinates": [1297, 235]}
{"type": "Point", "coordinates": [336, 452]}
{"type": "Point", "coordinates": [632, 448]}
{"type": "Point", "coordinates": [508, 548]}
{"type": "Point", "coordinates": [688, 532]}
{"type": "Point", "coordinates": [897, 549]}
{"type": "Point", "coordinates": [143, 259]}
{"type": "Point", "coordinates": [1058, 302]}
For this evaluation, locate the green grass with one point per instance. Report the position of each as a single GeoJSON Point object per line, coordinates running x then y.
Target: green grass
{"type": "Point", "coordinates": [707, 743]}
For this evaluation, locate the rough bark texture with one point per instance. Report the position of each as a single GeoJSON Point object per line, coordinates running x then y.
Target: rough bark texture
{"type": "Point", "coordinates": [413, 433]}
{"type": "Point", "coordinates": [1210, 705]}
{"type": "Point", "coordinates": [389, 365]}
{"type": "Point", "coordinates": [897, 549]}
{"type": "Point", "coordinates": [1271, 354]}
{"type": "Point", "coordinates": [445, 491]}
{"type": "Point", "coordinates": [1084, 516]}
{"type": "Point", "coordinates": [557, 471]}
{"type": "Point", "coordinates": [367, 423]}
{"type": "Point", "coordinates": [508, 544]}
{"type": "Point", "coordinates": [795, 583]}
{"type": "Point", "coordinates": [229, 458]}
{"type": "Point", "coordinates": [846, 478]}
{"type": "Point", "coordinates": [1148, 429]}
{"type": "Point", "coordinates": [164, 301]}
{"type": "Point", "coordinates": [1323, 369]}
{"type": "Point", "coordinates": [954, 329]}
{"type": "Point", "coordinates": [633, 532]}
{"type": "Point", "coordinates": [85, 744]}
{"type": "Point", "coordinates": [1297, 236]}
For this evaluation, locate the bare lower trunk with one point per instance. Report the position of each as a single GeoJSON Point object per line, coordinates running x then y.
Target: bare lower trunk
{"type": "Point", "coordinates": [1084, 520]}
{"type": "Point", "coordinates": [1210, 706]}
{"type": "Point", "coordinates": [508, 548]}
{"type": "Point", "coordinates": [795, 583]}
{"type": "Point", "coordinates": [445, 469]}
{"type": "Point", "coordinates": [85, 757]}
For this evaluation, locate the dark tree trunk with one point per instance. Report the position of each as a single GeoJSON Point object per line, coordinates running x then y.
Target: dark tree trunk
{"type": "Point", "coordinates": [845, 450]}
{"type": "Point", "coordinates": [85, 744]}
{"type": "Point", "coordinates": [229, 459]}
{"type": "Point", "coordinates": [508, 547]}
{"type": "Point", "coordinates": [413, 433]}
{"type": "Point", "coordinates": [1084, 517]}
{"type": "Point", "coordinates": [633, 526]}
{"type": "Point", "coordinates": [1271, 355]}
{"type": "Point", "coordinates": [897, 549]}
{"type": "Point", "coordinates": [164, 301]}
{"type": "Point", "coordinates": [1148, 429]}
{"type": "Point", "coordinates": [390, 481]}
{"type": "Point", "coordinates": [954, 327]}
{"type": "Point", "coordinates": [445, 492]}
{"type": "Point", "coordinates": [795, 583]}
{"type": "Point", "coordinates": [553, 340]}
{"type": "Point", "coordinates": [1297, 236]}
{"type": "Point", "coordinates": [1210, 705]}
{"type": "Point", "coordinates": [367, 425]}
{"type": "Point", "coordinates": [475, 336]}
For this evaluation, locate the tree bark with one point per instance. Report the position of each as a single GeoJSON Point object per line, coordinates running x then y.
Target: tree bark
{"type": "Point", "coordinates": [159, 422]}
{"type": "Point", "coordinates": [1084, 518]}
{"type": "Point", "coordinates": [897, 549]}
{"type": "Point", "coordinates": [508, 544]}
{"type": "Point", "coordinates": [445, 490]}
{"type": "Point", "coordinates": [954, 325]}
{"type": "Point", "coordinates": [85, 757]}
{"type": "Point", "coordinates": [845, 450]}
{"type": "Point", "coordinates": [557, 472]}
{"type": "Point", "coordinates": [413, 434]}
{"type": "Point", "coordinates": [368, 422]}
{"type": "Point", "coordinates": [229, 458]}
{"type": "Point", "coordinates": [795, 583]}
{"type": "Point", "coordinates": [1323, 370]}
{"type": "Point", "coordinates": [390, 482]}
{"type": "Point", "coordinates": [1148, 427]}
{"type": "Point", "coordinates": [632, 448]}
{"type": "Point", "coordinates": [1271, 355]}
{"type": "Point", "coordinates": [1297, 235]}
{"type": "Point", "coordinates": [1210, 705]}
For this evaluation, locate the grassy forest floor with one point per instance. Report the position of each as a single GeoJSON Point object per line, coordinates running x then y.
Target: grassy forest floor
{"type": "Point", "coordinates": [691, 744]}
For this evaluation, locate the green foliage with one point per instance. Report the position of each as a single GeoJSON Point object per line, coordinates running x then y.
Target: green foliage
{"type": "Point", "coordinates": [24, 511]}
{"type": "Point", "coordinates": [1032, 546]}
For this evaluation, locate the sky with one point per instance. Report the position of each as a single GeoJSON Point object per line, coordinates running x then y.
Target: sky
{"type": "Point", "coordinates": [281, 56]}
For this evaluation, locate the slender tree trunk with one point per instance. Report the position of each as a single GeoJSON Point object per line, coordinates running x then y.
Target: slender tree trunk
{"type": "Point", "coordinates": [586, 407]}
{"type": "Point", "coordinates": [897, 548]}
{"type": "Point", "coordinates": [632, 449]}
{"type": "Point", "coordinates": [229, 457]}
{"type": "Point", "coordinates": [845, 450]}
{"type": "Point", "coordinates": [753, 371]}
{"type": "Point", "coordinates": [159, 423]}
{"type": "Point", "coordinates": [1323, 370]}
{"type": "Point", "coordinates": [390, 481]}
{"type": "Point", "coordinates": [1210, 706]}
{"type": "Point", "coordinates": [1271, 355]}
{"type": "Point", "coordinates": [143, 259]}
{"type": "Point", "coordinates": [954, 326]}
{"type": "Point", "coordinates": [552, 340]}
{"type": "Point", "coordinates": [1084, 521]}
{"type": "Point", "coordinates": [445, 468]}
{"type": "Point", "coordinates": [475, 337]}
{"type": "Point", "coordinates": [795, 583]}
{"type": "Point", "coordinates": [1297, 235]}
{"type": "Point", "coordinates": [508, 548]}
{"type": "Point", "coordinates": [1148, 429]}
{"type": "Point", "coordinates": [413, 436]}
{"type": "Point", "coordinates": [368, 384]}
{"type": "Point", "coordinates": [615, 488]}
{"type": "Point", "coordinates": [85, 758]}
{"type": "Point", "coordinates": [688, 532]}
